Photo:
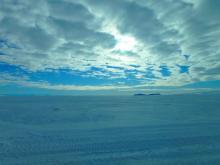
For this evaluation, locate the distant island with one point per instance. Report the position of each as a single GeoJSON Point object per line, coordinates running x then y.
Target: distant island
{"type": "Point", "coordinates": [154, 94]}
{"type": "Point", "coordinates": [139, 94]}
{"type": "Point", "coordinates": [151, 94]}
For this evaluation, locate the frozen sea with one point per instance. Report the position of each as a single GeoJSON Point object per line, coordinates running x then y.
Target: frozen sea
{"type": "Point", "coordinates": [110, 130]}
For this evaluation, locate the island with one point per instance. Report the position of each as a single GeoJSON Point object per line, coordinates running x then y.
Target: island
{"type": "Point", "coordinates": [154, 94]}
{"type": "Point", "coordinates": [151, 94]}
{"type": "Point", "coordinates": [139, 94]}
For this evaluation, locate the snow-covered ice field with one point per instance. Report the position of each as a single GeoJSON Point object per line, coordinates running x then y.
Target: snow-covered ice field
{"type": "Point", "coordinates": [110, 130]}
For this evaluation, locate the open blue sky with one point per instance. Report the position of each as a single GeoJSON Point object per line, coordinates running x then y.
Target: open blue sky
{"type": "Point", "coordinates": [71, 47]}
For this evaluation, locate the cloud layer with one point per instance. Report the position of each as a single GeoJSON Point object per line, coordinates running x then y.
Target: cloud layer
{"type": "Point", "coordinates": [109, 43]}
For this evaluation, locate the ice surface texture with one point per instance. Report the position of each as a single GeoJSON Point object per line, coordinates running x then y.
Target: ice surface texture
{"type": "Point", "coordinates": [110, 130]}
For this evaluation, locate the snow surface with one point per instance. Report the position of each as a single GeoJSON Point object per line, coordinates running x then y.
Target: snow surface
{"type": "Point", "coordinates": [110, 130]}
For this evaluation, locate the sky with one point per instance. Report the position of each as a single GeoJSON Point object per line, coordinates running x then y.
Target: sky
{"type": "Point", "coordinates": [109, 46]}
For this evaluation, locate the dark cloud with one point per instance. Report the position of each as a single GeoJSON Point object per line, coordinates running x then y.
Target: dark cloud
{"type": "Point", "coordinates": [209, 10]}
{"type": "Point", "coordinates": [70, 11]}
{"type": "Point", "coordinates": [29, 37]}
{"type": "Point", "coordinates": [212, 71]}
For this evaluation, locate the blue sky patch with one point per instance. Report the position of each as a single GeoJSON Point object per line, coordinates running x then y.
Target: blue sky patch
{"type": "Point", "coordinates": [164, 70]}
{"type": "Point", "coordinates": [183, 68]}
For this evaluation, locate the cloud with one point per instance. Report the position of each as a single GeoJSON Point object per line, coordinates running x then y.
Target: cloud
{"type": "Point", "coordinates": [69, 11]}
{"type": "Point", "coordinates": [77, 31]}
{"type": "Point", "coordinates": [160, 37]}
{"type": "Point", "coordinates": [32, 37]}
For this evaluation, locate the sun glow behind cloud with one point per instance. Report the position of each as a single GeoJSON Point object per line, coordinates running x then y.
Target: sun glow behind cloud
{"type": "Point", "coordinates": [125, 43]}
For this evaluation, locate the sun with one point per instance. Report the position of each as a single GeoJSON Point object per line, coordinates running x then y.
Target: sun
{"type": "Point", "coordinates": [125, 43]}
